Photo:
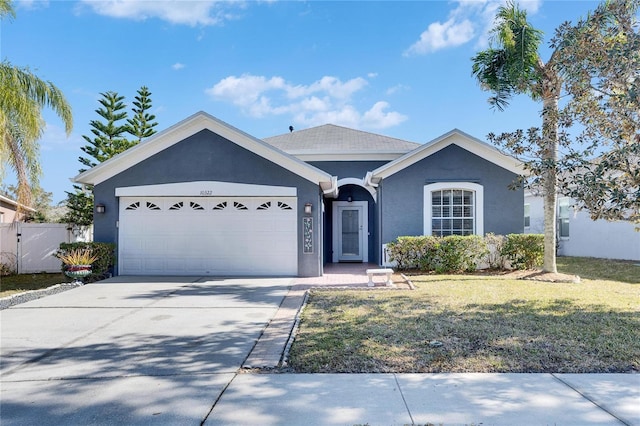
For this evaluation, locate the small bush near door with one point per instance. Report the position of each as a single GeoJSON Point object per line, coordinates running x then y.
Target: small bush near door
{"type": "Point", "coordinates": [452, 254]}
{"type": "Point", "coordinates": [105, 253]}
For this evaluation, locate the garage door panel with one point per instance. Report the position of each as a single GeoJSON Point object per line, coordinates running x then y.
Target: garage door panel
{"type": "Point", "coordinates": [153, 265]}
{"type": "Point", "coordinates": [212, 236]}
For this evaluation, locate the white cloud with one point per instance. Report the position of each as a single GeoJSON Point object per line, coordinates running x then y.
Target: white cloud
{"type": "Point", "coordinates": [470, 19]}
{"type": "Point", "coordinates": [54, 138]}
{"type": "Point", "coordinates": [397, 89]}
{"type": "Point", "coordinates": [442, 35]}
{"type": "Point", "coordinates": [177, 66]}
{"type": "Point", "coordinates": [191, 12]}
{"type": "Point", "coordinates": [32, 4]}
{"type": "Point", "coordinates": [378, 118]}
{"type": "Point", "coordinates": [327, 100]}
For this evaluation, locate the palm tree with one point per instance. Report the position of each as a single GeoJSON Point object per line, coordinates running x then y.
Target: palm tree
{"type": "Point", "coordinates": [22, 97]}
{"type": "Point", "coordinates": [512, 65]}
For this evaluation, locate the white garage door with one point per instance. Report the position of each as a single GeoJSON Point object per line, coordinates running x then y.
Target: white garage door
{"type": "Point", "coordinates": [223, 236]}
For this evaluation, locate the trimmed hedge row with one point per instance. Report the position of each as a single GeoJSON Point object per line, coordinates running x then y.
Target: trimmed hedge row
{"type": "Point", "coordinates": [453, 254]}
{"type": "Point", "coordinates": [106, 253]}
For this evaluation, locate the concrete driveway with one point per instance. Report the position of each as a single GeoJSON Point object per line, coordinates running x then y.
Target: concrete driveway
{"type": "Point", "coordinates": [130, 350]}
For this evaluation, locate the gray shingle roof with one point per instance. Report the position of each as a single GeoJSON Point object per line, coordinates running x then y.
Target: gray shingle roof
{"type": "Point", "coordinates": [330, 138]}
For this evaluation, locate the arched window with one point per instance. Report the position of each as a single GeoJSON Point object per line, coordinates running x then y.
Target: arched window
{"type": "Point", "coordinates": [453, 208]}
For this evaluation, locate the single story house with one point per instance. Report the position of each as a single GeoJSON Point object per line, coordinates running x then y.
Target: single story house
{"type": "Point", "coordinates": [205, 198]}
{"type": "Point", "coordinates": [579, 235]}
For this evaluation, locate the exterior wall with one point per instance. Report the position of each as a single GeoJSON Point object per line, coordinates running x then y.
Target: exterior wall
{"type": "Point", "coordinates": [7, 214]}
{"type": "Point", "coordinates": [401, 197]}
{"type": "Point", "coordinates": [590, 238]}
{"type": "Point", "coordinates": [345, 169]}
{"type": "Point", "coordinates": [536, 215]}
{"type": "Point", "coordinates": [207, 156]}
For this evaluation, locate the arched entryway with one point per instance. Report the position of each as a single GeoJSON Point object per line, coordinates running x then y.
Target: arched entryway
{"type": "Point", "coordinates": [350, 225]}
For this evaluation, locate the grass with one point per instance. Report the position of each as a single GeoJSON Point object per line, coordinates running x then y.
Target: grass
{"type": "Point", "coordinates": [14, 284]}
{"type": "Point", "coordinates": [470, 323]}
{"type": "Point", "coordinates": [626, 271]}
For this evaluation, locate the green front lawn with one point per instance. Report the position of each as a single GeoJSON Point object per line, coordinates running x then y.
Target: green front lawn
{"type": "Point", "coordinates": [470, 323]}
{"type": "Point", "coordinates": [13, 284]}
{"type": "Point", "coordinates": [626, 271]}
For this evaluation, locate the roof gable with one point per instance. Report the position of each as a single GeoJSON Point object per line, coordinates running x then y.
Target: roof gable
{"type": "Point", "coordinates": [190, 126]}
{"type": "Point", "coordinates": [331, 142]}
{"type": "Point", "coordinates": [456, 137]}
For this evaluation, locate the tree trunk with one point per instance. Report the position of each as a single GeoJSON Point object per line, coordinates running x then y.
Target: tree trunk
{"type": "Point", "coordinates": [551, 89]}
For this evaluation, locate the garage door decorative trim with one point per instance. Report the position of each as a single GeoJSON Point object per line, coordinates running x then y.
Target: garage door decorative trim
{"type": "Point", "coordinates": [206, 189]}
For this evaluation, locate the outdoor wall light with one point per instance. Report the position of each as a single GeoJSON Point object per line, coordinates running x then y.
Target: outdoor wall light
{"type": "Point", "coordinates": [100, 208]}
{"type": "Point", "coordinates": [349, 198]}
{"type": "Point", "coordinates": [307, 208]}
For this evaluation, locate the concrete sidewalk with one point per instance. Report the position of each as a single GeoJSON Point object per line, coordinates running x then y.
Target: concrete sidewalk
{"type": "Point", "coordinates": [170, 351]}
{"type": "Point", "coordinates": [421, 399]}
{"type": "Point", "coordinates": [405, 399]}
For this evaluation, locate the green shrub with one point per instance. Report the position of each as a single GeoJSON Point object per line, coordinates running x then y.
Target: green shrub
{"type": "Point", "coordinates": [104, 252]}
{"type": "Point", "coordinates": [440, 254]}
{"type": "Point", "coordinates": [524, 251]}
{"type": "Point", "coordinates": [410, 252]}
{"type": "Point", "coordinates": [456, 253]}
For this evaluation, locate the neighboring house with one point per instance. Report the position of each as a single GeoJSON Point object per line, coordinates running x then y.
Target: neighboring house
{"type": "Point", "coordinates": [9, 210]}
{"type": "Point", "coordinates": [579, 235]}
{"type": "Point", "coordinates": [204, 198]}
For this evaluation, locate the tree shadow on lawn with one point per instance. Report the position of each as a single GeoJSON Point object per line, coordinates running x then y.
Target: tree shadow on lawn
{"type": "Point", "coordinates": [516, 336]}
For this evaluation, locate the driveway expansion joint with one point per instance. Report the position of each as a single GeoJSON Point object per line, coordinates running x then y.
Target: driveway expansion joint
{"type": "Point", "coordinates": [590, 399]}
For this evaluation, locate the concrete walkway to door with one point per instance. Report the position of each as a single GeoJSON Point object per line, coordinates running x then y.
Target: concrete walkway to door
{"type": "Point", "coordinates": [270, 350]}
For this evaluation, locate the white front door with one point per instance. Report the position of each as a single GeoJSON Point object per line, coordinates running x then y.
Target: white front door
{"type": "Point", "coordinates": [350, 231]}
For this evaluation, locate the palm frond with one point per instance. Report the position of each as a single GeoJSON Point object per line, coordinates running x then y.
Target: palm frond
{"type": "Point", "coordinates": [512, 64]}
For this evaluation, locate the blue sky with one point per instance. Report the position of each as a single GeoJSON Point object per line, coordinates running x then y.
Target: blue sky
{"type": "Point", "coordinates": [401, 69]}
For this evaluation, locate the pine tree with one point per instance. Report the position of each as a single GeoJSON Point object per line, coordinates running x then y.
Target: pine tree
{"type": "Point", "coordinates": [108, 135]}
{"type": "Point", "coordinates": [142, 125]}
{"type": "Point", "coordinates": [109, 138]}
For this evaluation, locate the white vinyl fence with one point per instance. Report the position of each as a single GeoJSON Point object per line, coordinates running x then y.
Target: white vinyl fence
{"type": "Point", "coordinates": [28, 247]}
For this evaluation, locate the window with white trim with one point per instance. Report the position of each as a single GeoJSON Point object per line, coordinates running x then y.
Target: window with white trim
{"type": "Point", "coordinates": [453, 208]}
{"type": "Point", "coordinates": [452, 212]}
{"type": "Point", "coordinates": [564, 213]}
{"type": "Point", "coordinates": [527, 215]}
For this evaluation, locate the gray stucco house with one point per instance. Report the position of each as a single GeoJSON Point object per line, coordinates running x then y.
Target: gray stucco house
{"type": "Point", "coordinates": [204, 198]}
